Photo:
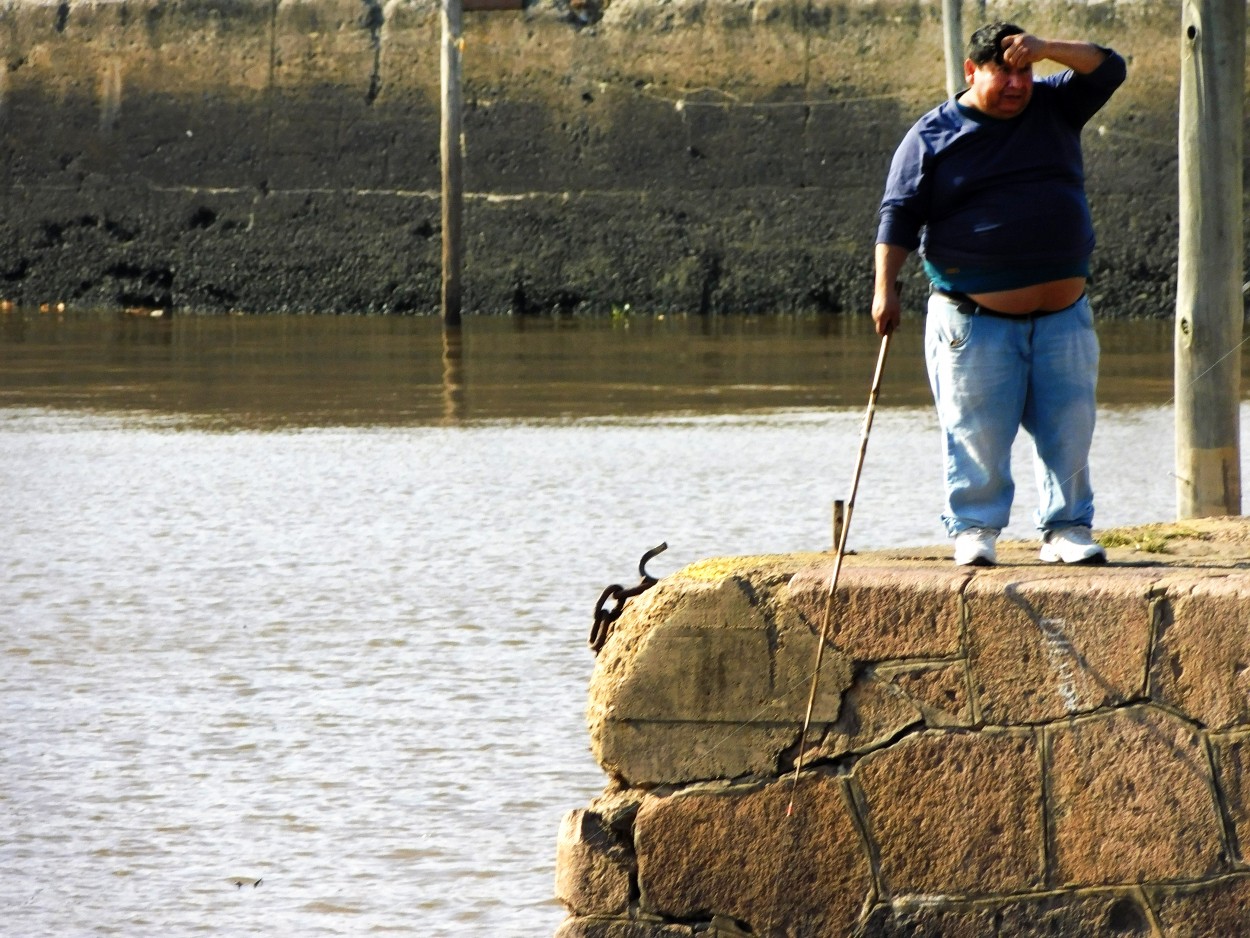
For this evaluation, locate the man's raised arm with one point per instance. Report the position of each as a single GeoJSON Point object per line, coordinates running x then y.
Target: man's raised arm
{"type": "Point", "coordinates": [1024, 49]}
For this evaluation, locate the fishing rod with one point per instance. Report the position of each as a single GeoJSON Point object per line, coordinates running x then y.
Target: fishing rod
{"type": "Point", "coordinates": [873, 394]}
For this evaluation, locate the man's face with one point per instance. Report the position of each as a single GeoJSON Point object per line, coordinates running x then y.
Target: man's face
{"type": "Point", "coordinates": [999, 90]}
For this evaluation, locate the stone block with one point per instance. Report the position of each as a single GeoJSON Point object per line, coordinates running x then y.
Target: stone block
{"type": "Point", "coordinates": [685, 674]}
{"type": "Point", "coordinates": [1201, 662]}
{"type": "Point", "coordinates": [873, 713]}
{"type": "Point", "coordinates": [939, 690]}
{"type": "Point", "coordinates": [885, 701]}
{"type": "Point", "coordinates": [599, 927]}
{"type": "Point", "coordinates": [592, 866]}
{"type": "Point", "coordinates": [698, 684]}
{"type": "Point", "coordinates": [793, 664]}
{"type": "Point", "coordinates": [1131, 799]}
{"type": "Point", "coordinates": [653, 753]}
{"type": "Point", "coordinates": [1071, 915]}
{"type": "Point", "coordinates": [1220, 907]}
{"type": "Point", "coordinates": [956, 813]}
{"type": "Point", "coordinates": [1043, 645]}
{"type": "Point", "coordinates": [735, 853]}
{"type": "Point", "coordinates": [881, 614]}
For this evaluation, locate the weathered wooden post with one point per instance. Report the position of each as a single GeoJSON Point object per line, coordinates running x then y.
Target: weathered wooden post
{"type": "Point", "coordinates": [953, 42]}
{"type": "Point", "coordinates": [1208, 290]}
{"type": "Point", "coordinates": [451, 153]}
{"type": "Point", "coordinates": [451, 145]}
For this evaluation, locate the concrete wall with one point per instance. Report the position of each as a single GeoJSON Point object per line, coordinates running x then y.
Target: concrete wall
{"type": "Point", "coordinates": [1020, 751]}
{"type": "Point", "coordinates": [692, 155]}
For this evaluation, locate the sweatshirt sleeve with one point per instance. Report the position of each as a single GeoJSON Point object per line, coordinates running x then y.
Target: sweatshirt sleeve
{"type": "Point", "coordinates": [904, 206]}
{"type": "Point", "coordinates": [1084, 95]}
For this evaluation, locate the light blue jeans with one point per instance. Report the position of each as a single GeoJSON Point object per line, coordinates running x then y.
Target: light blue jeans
{"type": "Point", "coordinates": [991, 375]}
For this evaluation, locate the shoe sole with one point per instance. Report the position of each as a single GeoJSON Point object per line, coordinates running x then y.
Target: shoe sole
{"type": "Point", "coordinates": [1092, 561]}
{"type": "Point", "coordinates": [978, 562]}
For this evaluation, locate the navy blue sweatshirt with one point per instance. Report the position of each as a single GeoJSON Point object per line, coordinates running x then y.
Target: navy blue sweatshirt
{"type": "Point", "coordinates": [977, 193]}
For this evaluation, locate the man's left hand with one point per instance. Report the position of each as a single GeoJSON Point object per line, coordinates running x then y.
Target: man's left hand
{"type": "Point", "coordinates": [1023, 49]}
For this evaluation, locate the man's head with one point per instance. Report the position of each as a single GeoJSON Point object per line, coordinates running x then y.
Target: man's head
{"type": "Point", "coordinates": [994, 87]}
{"type": "Point", "coordinates": [986, 44]}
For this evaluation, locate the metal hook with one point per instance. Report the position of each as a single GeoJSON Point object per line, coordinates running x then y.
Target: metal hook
{"type": "Point", "coordinates": [642, 564]}
{"type": "Point", "coordinates": [604, 617]}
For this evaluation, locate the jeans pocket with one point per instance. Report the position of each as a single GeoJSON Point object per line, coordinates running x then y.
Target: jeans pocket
{"type": "Point", "coordinates": [1086, 312]}
{"type": "Point", "coordinates": [949, 327]}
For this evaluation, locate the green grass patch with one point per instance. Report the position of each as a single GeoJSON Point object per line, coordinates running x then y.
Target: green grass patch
{"type": "Point", "coordinates": [1153, 540]}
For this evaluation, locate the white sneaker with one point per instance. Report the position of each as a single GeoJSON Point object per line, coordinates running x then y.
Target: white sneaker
{"type": "Point", "coordinates": [975, 547]}
{"type": "Point", "coordinates": [1071, 545]}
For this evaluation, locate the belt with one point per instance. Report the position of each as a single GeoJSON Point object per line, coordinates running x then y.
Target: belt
{"type": "Point", "coordinates": [970, 307]}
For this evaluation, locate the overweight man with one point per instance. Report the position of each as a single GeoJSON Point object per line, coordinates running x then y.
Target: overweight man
{"type": "Point", "coordinates": [990, 188]}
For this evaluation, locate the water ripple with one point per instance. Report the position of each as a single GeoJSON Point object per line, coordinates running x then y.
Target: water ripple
{"type": "Point", "coordinates": [351, 664]}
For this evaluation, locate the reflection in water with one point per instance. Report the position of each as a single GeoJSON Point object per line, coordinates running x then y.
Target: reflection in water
{"type": "Point", "coordinates": [453, 374]}
{"type": "Point", "coordinates": [132, 330]}
{"type": "Point", "coordinates": [270, 371]}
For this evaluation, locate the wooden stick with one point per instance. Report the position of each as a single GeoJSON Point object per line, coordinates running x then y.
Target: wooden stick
{"type": "Point", "coordinates": [837, 565]}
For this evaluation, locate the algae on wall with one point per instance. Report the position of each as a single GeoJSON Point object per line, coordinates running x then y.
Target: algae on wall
{"type": "Point", "coordinates": [702, 156]}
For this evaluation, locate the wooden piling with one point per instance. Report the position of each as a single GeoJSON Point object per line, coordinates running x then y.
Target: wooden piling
{"type": "Point", "coordinates": [451, 151]}
{"type": "Point", "coordinates": [1208, 296]}
{"type": "Point", "coordinates": [839, 519]}
{"type": "Point", "coordinates": [953, 42]}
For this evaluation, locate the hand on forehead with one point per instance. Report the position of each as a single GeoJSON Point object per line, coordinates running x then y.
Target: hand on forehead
{"type": "Point", "coordinates": [1020, 49]}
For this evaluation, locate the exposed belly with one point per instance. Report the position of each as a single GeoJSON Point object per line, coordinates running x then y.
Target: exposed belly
{"type": "Point", "coordinates": [1039, 297]}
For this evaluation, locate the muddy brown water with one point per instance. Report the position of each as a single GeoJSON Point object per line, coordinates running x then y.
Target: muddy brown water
{"type": "Point", "coordinates": [301, 603]}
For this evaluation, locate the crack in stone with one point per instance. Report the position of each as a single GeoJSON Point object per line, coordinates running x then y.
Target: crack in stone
{"type": "Point", "coordinates": [1228, 829]}
{"type": "Point", "coordinates": [1161, 618]}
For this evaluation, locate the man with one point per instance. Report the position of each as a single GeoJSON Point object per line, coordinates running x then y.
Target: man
{"type": "Point", "coordinates": [990, 188]}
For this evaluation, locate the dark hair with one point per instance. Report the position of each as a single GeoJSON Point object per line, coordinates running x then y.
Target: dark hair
{"type": "Point", "coordinates": [987, 42]}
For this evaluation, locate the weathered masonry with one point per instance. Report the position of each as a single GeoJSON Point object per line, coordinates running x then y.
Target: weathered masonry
{"type": "Point", "coordinates": [702, 156]}
{"type": "Point", "coordinates": [1018, 751]}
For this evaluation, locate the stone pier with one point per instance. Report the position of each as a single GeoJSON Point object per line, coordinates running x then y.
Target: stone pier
{"type": "Point", "coordinates": [1021, 751]}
